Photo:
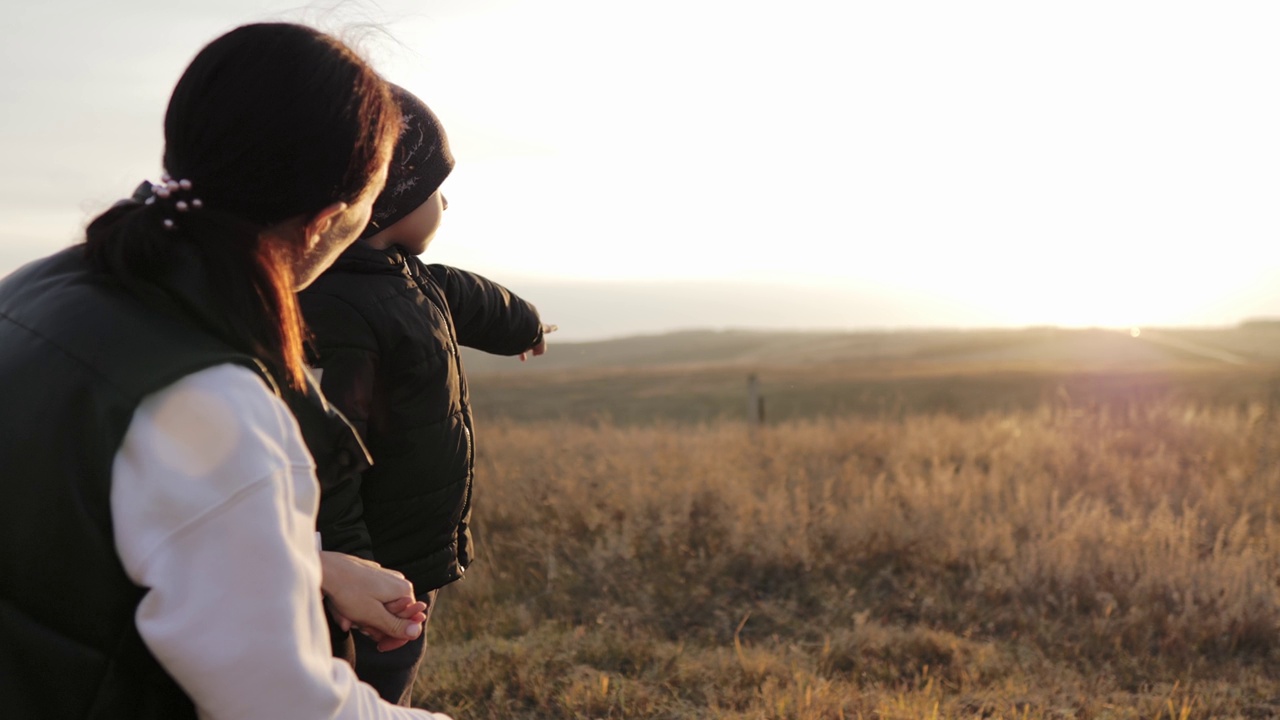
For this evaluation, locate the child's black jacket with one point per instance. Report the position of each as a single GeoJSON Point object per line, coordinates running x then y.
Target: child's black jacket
{"type": "Point", "coordinates": [386, 330]}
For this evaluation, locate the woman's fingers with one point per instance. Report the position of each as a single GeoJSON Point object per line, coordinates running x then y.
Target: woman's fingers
{"type": "Point", "coordinates": [343, 622]}
{"type": "Point", "coordinates": [378, 601]}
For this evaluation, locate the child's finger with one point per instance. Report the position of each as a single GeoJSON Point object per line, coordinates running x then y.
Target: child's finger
{"type": "Point", "coordinates": [391, 644]}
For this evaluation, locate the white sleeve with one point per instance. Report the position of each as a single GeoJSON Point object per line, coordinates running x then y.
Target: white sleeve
{"type": "Point", "coordinates": [213, 501]}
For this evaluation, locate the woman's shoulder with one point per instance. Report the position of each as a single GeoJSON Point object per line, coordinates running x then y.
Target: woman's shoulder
{"type": "Point", "coordinates": [224, 395]}
{"type": "Point", "coordinates": [193, 448]}
{"type": "Point", "coordinates": [211, 433]}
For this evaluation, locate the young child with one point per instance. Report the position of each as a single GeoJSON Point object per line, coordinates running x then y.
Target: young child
{"type": "Point", "coordinates": [386, 333]}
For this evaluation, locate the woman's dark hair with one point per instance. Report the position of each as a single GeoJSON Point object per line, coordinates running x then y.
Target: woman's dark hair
{"type": "Point", "coordinates": [270, 122]}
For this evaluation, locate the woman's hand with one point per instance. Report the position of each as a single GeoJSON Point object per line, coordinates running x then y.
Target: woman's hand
{"type": "Point", "coordinates": [372, 599]}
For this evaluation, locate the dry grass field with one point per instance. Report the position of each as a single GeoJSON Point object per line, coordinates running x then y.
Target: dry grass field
{"type": "Point", "coordinates": [1050, 552]}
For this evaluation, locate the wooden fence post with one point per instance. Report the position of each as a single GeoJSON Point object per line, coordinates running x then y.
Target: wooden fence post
{"type": "Point", "coordinates": [755, 402]}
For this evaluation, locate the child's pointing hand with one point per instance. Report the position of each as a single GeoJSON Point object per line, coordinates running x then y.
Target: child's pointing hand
{"type": "Point", "coordinates": [541, 347]}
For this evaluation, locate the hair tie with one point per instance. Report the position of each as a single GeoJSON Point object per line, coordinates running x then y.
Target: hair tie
{"type": "Point", "coordinates": [173, 194]}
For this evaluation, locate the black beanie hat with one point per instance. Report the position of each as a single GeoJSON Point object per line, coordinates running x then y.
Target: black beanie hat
{"type": "Point", "coordinates": [419, 164]}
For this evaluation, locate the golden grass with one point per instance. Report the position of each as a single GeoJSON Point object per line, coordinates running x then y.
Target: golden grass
{"type": "Point", "coordinates": [1106, 563]}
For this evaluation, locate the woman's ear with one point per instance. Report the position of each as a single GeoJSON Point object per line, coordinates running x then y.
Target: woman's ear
{"type": "Point", "coordinates": [321, 222]}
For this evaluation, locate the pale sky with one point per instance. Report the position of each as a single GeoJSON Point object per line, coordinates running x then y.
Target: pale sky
{"type": "Point", "coordinates": [834, 163]}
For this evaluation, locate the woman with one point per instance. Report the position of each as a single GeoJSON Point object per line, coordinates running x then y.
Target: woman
{"type": "Point", "coordinates": [157, 535]}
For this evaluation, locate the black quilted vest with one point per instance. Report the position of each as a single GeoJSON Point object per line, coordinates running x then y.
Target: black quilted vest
{"type": "Point", "coordinates": [77, 356]}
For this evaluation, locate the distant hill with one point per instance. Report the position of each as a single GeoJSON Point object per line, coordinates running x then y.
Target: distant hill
{"type": "Point", "coordinates": [699, 376]}
{"type": "Point", "coordinates": [1253, 343]}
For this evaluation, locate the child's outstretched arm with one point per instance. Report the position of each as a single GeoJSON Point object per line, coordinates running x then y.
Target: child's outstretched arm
{"type": "Point", "coordinates": [486, 315]}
